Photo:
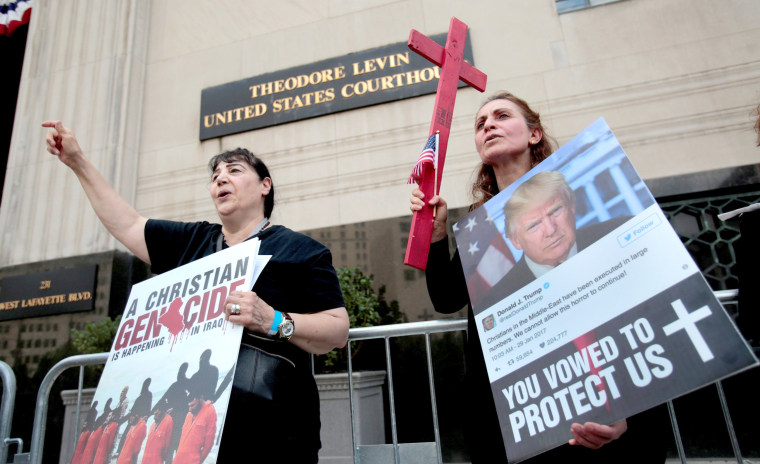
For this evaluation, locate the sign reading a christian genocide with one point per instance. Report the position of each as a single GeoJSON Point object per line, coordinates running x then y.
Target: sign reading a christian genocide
{"type": "Point", "coordinates": [48, 293]}
{"type": "Point", "coordinates": [337, 84]}
{"type": "Point", "coordinates": [166, 384]}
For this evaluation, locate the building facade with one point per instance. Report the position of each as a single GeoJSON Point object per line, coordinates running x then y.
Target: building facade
{"type": "Point", "coordinates": [677, 81]}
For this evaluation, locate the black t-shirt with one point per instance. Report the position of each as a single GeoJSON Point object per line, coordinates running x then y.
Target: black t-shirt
{"type": "Point", "coordinates": [299, 278]}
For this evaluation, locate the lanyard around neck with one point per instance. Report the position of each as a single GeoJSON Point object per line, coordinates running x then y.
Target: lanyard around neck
{"type": "Point", "coordinates": [262, 224]}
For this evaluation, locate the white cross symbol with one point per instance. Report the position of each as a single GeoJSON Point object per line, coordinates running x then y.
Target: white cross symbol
{"type": "Point", "coordinates": [688, 321]}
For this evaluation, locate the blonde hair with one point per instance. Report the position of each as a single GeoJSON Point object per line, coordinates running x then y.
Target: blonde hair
{"type": "Point", "coordinates": [538, 188]}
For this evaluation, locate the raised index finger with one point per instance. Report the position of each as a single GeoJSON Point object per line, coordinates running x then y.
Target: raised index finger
{"type": "Point", "coordinates": [53, 124]}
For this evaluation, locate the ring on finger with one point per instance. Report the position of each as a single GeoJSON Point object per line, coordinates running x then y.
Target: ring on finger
{"type": "Point", "coordinates": [235, 309]}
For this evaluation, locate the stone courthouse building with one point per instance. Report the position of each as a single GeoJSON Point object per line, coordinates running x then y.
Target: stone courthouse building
{"type": "Point", "coordinates": [154, 88]}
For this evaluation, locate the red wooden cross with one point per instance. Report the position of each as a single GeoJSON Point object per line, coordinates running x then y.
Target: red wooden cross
{"type": "Point", "coordinates": [453, 68]}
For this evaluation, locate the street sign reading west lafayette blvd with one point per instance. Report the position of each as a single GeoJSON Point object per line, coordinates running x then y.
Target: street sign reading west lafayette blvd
{"type": "Point", "coordinates": [48, 293]}
{"type": "Point", "coordinates": [352, 81]}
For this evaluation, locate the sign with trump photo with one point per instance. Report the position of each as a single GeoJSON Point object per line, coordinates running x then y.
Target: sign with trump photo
{"type": "Point", "coordinates": [165, 387]}
{"type": "Point", "coordinates": [588, 306]}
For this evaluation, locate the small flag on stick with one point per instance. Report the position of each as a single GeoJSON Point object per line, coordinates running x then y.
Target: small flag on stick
{"type": "Point", "coordinates": [429, 155]}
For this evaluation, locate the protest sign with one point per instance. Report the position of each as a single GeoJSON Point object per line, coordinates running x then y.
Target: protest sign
{"type": "Point", "coordinates": [172, 360]}
{"type": "Point", "coordinates": [595, 311]}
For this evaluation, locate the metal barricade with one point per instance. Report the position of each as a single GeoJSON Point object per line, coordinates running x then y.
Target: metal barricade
{"type": "Point", "coordinates": [395, 452]}
{"type": "Point", "coordinates": [6, 410]}
{"type": "Point", "coordinates": [40, 410]}
{"type": "Point", "coordinates": [400, 452]}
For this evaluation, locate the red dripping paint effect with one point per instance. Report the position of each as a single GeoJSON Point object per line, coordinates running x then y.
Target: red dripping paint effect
{"type": "Point", "coordinates": [173, 339]}
{"type": "Point", "coordinates": [172, 320]}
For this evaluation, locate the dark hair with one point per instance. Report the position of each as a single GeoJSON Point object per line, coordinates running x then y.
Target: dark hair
{"type": "Point", "coordinates": [485, 187]}
{"type": "Point", "coordinates": [241, 154]}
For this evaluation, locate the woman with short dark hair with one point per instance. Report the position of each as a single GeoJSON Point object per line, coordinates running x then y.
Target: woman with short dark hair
{"type": "Point", "coordinates": [295, 308]}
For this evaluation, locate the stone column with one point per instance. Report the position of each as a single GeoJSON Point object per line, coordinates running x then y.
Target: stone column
{"type": "Point", "coordinates": [84, 64]}
{"type": "Point", "coordinates": [335, 414]}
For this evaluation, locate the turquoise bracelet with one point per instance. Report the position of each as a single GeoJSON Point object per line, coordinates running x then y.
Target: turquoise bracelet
{"type": "Point", "coordinates": [275, 323]}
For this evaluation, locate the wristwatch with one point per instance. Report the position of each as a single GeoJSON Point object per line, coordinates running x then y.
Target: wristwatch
{"type": "Point", "coordinates": [286, 328]}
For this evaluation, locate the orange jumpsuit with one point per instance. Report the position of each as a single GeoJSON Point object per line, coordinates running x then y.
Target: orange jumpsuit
{"type": "Point", "coordinates": [159, 439]}
{"type": "Point", "coordinates": [105, 446]}
{"type": "Point", "coordinates": [197, 436]}
{"type": "Point", "coordinates": [77, 459]}
{"type": "Point", "coordinates": [92, 445]}
{"type": "Point", "coordinates": [132, 443]}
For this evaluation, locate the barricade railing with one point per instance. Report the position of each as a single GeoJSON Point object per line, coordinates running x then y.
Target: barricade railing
{"type": "Point", "coordinates": [6, 410]}
{"type": "Point", "coordinates": [40, 409]}
{"type": "Point", "coordinates": [394, 452]}
{"type": "Point", "coordinates": [399, 452]}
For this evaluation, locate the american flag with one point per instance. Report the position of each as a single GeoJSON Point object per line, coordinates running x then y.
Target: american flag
{"type": "Point", "coordinates": [486, 257]}
{"type": "Point", "coordinates": [429, 155]}
{"type": "Point", "coordinates": [13, 14]}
